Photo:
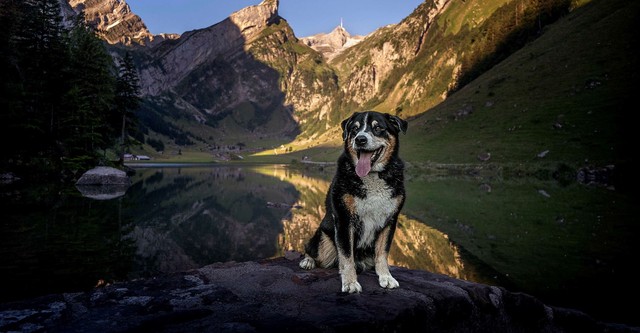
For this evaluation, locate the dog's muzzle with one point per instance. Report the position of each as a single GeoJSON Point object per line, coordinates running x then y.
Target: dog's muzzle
{"type": "Point", "coordinates": [366, 155]}
{"type": "Point", "coordinates": [361, 141]}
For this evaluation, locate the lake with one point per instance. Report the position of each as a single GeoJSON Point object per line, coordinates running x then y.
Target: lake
{"type": "Point", "coordinates": [570, 245]}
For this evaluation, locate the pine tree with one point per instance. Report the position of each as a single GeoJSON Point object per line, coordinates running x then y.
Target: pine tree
{"type": "Point", "coordinates": [41, 56]}
{"type": "Point", "coordinates": [127, 97]}
{"type": "Point", "coordinates": [11, 89]}
{"type": "Point", "coordinates": [57, 96]}
{"type": "Point", "coordinates": [86, 126]}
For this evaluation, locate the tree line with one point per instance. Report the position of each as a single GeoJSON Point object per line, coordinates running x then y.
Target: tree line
{"type": "Point", "coordinates": [66, 104]}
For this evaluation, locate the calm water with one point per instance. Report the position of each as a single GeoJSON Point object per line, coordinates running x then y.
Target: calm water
{"type": "Point", "coordinates": [569, 245]}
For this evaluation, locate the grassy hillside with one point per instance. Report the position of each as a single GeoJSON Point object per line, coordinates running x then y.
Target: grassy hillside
{"type": "Point", "coordinates": [412, 66]}
{"type": "Point", "coordinates": [568, 93]}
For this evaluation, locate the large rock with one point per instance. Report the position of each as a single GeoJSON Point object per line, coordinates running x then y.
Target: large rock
{"type": "Point", "coordinates": [277, 296]}
{"type": "Point", "coordinates": [104, 176]}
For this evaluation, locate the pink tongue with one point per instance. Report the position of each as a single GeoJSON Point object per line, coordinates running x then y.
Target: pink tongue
{"type": "Point", "coordinates": [364, 164]}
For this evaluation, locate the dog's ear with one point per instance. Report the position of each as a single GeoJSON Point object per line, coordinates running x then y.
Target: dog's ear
{"type": "Point", "coordinates": [398, 123]}
{"type": "Point", "coordinates": [345, 124]}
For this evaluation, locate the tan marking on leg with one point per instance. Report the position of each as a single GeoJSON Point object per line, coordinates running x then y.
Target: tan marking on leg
{"type": "Point", "coordinates": [382, 265]}
{"type": "Point", "coordinates": [327, 254]}
{"type": "Point", "coordinates": [381, 253]}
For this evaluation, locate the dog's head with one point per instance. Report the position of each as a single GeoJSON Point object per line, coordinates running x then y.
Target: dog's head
{"type": "Point", "coordinates": [371, 139]}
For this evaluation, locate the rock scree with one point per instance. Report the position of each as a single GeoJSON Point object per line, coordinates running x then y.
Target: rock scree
{"type": "Point", "coordinates": [275, 295]}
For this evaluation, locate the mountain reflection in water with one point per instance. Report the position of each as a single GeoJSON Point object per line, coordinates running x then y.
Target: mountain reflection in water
{"type": "Point", "coordinates": [189, 217]}
{"type": "Point", "coordinates": [185, 218]}
{"type": "Point", "coordinates": [415, 245]}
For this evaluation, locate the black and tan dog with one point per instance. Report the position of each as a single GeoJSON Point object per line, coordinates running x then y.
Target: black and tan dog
{"type": "Point", "coordinates": [363, 203]}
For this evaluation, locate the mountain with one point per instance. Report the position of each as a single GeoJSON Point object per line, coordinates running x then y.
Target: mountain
{"type": "Point", "coordinates": [333, 43]}
{"type": "Point", "coordinates": [248, 83]}
{"type": "Point", "coordinates": [246, 78]}
{"type": "Point", "coordinates": [168, 64]}
{"type": "Point", "coordinates": [115, 22]}
{"type": "Point", "coordinates": [412, 66]}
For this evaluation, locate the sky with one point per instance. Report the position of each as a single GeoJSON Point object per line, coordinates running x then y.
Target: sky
{"type": "Point", "coordinates": [306, 17]}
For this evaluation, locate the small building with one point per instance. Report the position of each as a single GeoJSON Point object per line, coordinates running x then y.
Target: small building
{"type": "Point", "coordinates": [132, 157]}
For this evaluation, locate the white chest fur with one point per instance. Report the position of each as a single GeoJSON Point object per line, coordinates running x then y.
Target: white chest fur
{"type": "Point", "coordinates": [375, 208]}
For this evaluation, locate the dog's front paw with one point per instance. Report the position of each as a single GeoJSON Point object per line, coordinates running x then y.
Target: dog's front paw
{"type": "Point", "coordinates": [307, 263]}
{"type": "Point", "coordinates": [351, 287]}
{"type": "Point", "coordinates": [387, 281]}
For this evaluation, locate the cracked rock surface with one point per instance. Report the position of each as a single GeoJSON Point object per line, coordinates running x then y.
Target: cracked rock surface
{"type": "Point", "coordinates": [277, 296]}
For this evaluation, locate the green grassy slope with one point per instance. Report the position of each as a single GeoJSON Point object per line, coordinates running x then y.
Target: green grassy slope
{"type": "Point", "coordinates": [567, 92]}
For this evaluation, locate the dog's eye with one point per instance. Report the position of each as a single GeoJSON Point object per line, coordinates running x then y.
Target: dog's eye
{"type": "Point", "coordinates": [378, 129]}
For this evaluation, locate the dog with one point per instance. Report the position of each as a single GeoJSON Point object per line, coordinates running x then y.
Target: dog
{"type": "Point", "coordinates": [363, 202]}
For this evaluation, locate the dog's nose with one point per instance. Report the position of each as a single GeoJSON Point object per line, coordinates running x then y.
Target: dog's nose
{"type": "Point", "coordinates": [361, 140]}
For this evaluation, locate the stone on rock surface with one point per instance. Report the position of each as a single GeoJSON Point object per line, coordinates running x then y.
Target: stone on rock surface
{"type": "Point", "coordinates": [277, 296]}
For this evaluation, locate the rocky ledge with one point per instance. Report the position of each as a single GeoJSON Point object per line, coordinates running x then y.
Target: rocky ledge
{"type": "Point", "coordinates": [277, 296]}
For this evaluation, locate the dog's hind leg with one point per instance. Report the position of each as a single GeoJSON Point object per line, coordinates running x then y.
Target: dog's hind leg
{"type": "Point", "coordinates": [327, 254]}
{"type": "Point", "coordinates": [320, 251]}
{"type": "Point", "coordinates": [311, 251]}
{"type": "Point", "coordinates": [383, 244]}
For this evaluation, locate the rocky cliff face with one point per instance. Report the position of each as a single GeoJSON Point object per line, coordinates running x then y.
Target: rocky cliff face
{"type": "Point", "coordinates": [368, 68]}
{"type": "Point", "coordinates": [114, 21]}
{"type": "Point", "coordinates": [170, 64]}
{"type": "Point", "coordinates": [248, 70]}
